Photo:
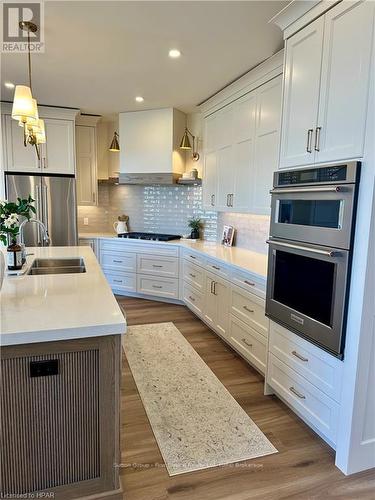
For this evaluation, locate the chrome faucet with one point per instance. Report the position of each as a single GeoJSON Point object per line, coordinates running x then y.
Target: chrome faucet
{"type": "Point", "coordinates": [46, 238]}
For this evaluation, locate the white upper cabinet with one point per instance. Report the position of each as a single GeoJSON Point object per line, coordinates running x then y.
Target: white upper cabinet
{"type": "Point", "coordinates": [326, 87]}
{"type": "Point", "coordinates": [345, 81]}
{"type": "Point", "coordinates": [301, 95]}
{"type": "Point", "coordinates": [57, 154]}
{"type": "Point", "coordinates": [87, 185]}
{"type": "Point", "coordinates": [241, 151]}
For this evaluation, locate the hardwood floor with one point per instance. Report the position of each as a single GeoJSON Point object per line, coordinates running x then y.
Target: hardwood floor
{"type": "Point", "coordinates": [303, 468]}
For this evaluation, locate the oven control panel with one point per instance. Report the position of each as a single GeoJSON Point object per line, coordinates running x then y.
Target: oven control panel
{"type": "Point", "coordinates": [343, 173]}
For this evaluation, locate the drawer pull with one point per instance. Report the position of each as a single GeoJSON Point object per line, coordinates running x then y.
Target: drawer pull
{"type": "Point", "coordinates": [193, 256]}
{"type": "Point", "coordinates": [298, 394]}
{"type": "Point", "coordinates": [191, 298]}
{"type": "Point", "coordinates": [216, 267]}
{"type": "Point", "coordinates": [297, 355]}
{"type": "Point", "coordinates": [192, 275]}
{"type": "Point", "coordinates": [247, 343]}
{"type": "Point", "coordinates": [248, 310]}
{"type": "Point", "coordinates": [249, 283]}
{"type": "Point", "coordinates": [156, 265]}
{"type": "Point", "coordinates": [117, 261]}
{"type": "Point", "coordinates": [117, 281]}
{"type": "Point", "coordinates": [156, 286]}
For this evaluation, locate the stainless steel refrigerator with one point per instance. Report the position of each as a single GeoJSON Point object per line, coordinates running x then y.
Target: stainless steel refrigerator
{"type": "Point", "coordinates": [55, 204]}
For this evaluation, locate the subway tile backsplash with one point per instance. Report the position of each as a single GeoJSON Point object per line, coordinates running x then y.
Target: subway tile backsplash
{"type": "Point", "coordinates": [167, 209]}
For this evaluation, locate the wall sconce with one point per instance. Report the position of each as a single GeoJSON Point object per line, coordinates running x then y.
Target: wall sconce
{"type": "Point", "coordinates": [185, 144]}
{"type": "Point", "coordinates": [114, 144]}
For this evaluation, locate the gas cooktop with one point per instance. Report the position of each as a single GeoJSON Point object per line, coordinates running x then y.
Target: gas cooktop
{"type": "Point", "coordinates": [150, 236]}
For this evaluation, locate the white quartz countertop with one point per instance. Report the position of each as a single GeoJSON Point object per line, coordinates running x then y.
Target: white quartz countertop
{"type": "Point", "coordinates": [43, 308]}
{"type": "Point", "coordinates": [242, 258]}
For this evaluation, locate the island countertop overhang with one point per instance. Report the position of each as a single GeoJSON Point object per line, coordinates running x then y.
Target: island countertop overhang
{"type": "Point", "coordinates": [52, 307]}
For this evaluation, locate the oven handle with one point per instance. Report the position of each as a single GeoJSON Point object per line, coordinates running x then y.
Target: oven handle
{"type": "Point", "coordinates": [327, 253]}
{"type": "Point", "coordinates": [318, 189]}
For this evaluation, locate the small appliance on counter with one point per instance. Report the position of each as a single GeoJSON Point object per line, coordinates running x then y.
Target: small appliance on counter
{"type": "Point", "coordinates": [149, 236]}
{"type": "Point", "coordinates": [121, 225]}
{"type": "Point", "coordinates": [313, 212]}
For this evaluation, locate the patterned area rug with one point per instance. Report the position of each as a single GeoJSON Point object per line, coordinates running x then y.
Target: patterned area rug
{"type": "Point", "coordinates": [196, 422]}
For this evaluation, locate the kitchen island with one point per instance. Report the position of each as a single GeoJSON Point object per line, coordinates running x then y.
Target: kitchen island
{"type": "Point", "coordinates": [60, 340]}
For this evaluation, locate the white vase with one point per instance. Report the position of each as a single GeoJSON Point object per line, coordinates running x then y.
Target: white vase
{"type": "Point", "coordinates": [2, 268]}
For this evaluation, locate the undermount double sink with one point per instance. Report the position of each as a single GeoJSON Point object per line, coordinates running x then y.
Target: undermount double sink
{"type": "Point", "coordinates": [57, 266]}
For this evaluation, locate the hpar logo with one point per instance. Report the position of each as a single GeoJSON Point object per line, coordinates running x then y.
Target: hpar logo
{"type": "Point", "coordinates": [15, 39]}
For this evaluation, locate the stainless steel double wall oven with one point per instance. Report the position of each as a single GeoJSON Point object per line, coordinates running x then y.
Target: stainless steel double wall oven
{"type": "Point", "coordinates": [310, 249]}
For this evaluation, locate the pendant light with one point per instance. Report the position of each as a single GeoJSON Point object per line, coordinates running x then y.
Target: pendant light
{"type": "Point", "coordinates": [25, 108]}
{"type": "Point", "coordinates": [114, 144]}
{"type": "Point", "coordinates": [185, 144]}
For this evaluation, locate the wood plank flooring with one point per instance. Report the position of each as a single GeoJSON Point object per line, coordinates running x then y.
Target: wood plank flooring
{"type": "Point", "coordinates": [303, 469]}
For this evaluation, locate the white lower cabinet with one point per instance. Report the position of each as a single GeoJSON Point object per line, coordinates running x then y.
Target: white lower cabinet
{"type": "Point", "coordinates": [193, 299]}
{"type": "Point", "coordinates": [125, 282]}
{"type": "Point", "coordinates": [216, 303]}
{"type": "Point", "coordinates": [248, 342]}
{"type": "Point", "coordinates": [250, 309]}
{"type": "Point", "coordinates": [157, 286]}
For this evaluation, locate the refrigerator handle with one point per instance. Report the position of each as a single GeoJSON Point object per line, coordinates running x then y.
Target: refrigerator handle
{"type": "Point", "coordinates": [38, 211]}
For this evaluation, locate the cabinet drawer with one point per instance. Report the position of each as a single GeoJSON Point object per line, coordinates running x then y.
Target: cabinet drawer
{"type": "Point", "coordinates": [249, 282]}
{"type": "Point", "coordinates": [123, 261]}
{"type": "Point", "coordinates": [193, 299]}
{"type": "Point", "coordinates": [318, 367]}
{"type": "Point", "coordinates": [194, 257]}
{"type": "Point", "coordinates": [121, 281]}
{"type": "Point", "coordinates": [193, 274]}
{"type": "Point", "coordinates": [312, 404]}
{"type": "Point", "coordinates": [159, 266]}
{"type": "Point", "coordinates": [250, 309]}
{"type": "Point", "coordinates": [217, 268]}
{"type": "Point", "coordinates": [249, 343]}
{"type": "Point", "coordinates": [160, 287]}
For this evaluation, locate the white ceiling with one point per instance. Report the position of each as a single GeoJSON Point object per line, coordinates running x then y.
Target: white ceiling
{"type": "Point", "coordinates": [99, 55]}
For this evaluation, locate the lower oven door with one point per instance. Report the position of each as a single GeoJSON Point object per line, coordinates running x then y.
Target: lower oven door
{"type": "Point", "coordinates": [307, 291]}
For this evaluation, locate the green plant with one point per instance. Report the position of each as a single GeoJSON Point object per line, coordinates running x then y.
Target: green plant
{"type": "Point", "coordinates": [195, 223]}
{"type": "Point", "coordinates": [10, 213]}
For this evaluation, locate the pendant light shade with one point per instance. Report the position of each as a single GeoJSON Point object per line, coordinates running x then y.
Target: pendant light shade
{"type": "Point", "coordinates": [114, 144]}
{"type": "Point", "coordinates": [185, 142]}
{"type": "Point", "coordinates": [24, 106]}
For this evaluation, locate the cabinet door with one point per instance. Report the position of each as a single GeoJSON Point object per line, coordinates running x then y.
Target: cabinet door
{"type": "Point", "coordinates": [210, 181]}
{"type": "Point", "coordinates": [210, 302]}
{"type": "Point", "coordinates": [86, 165]}
{"type": "Point", "coordinates": [345, 81]}
{"type": "Point", "coordinates": [266, 145]}
{"type": "Point", "coordinates": [225, 178]}
{"type": "Point", "coordinates": [221, 290]}
{"type": "Point", "coordinates": [17, 157]}
{"type": "Point", "coordinates": [243, 152]}
{"type": "Point", "coordinates": [58, 153]}
{"type": "Point", "coordinates": [301, 95]}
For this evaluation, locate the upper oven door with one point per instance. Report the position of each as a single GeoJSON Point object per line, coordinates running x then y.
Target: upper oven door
{"type": "Point", "coordinates": [307, 290]}
{"type": "Point", "coordinates": [321, 215]}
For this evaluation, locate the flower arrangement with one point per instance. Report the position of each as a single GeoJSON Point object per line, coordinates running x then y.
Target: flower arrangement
{"type": "Point", "coordinates": [10, 213]}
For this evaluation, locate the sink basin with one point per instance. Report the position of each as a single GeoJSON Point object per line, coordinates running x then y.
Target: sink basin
{"type": "Point", "coordinates": [57, 266]}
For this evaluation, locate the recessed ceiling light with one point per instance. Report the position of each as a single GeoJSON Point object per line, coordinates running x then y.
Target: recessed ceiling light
{"type": "Point", "coordinates": [9, 85]}
{"type": "Point", "coordinates": [139, 98]}
{"type": "Point", "coordinates": [174, 53]}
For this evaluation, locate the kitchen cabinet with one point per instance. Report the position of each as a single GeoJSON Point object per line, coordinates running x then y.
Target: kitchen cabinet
{"type": "Point", "coordinates": [216, 303]}
{"type": "Point", "coordinates": [87, 184]}
{"type": "Point", "coordinates": [241, 152]}
{"type": "Point", "coordinates": [57, 155]}
{"type": "Point", "coordinates": [326, 87]}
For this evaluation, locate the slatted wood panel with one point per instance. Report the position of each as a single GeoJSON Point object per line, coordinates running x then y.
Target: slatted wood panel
{"type": "Point", "coordinates": [50, 424]}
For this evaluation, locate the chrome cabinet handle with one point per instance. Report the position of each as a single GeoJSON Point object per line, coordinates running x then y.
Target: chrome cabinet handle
{"type": "Point", "coordinates": [297, 355]}
{"type": "Point", "coordinates": [212, 287]}
{"type": "Point", "coordinates": [156, 286]}
{"type": "Point", "coordinates": [231, 199]}
{"type": "Point", "coordinates": [156, 265]}
{"type": "Point", "coordinates": [191, 298]}
{"type": "Point", "coordinates": [117, 261]}
{"type": "Point", "coordinates": [192, 256]}
{"type": "Point", "coordinates": [248, 310]}
{"type": "Point", "coordinates": [328, 253]}
{"type": "Point", "coordinates": [309, 140]}
{"type": "Point", "coordinates": [192, 275]}
{"type": "Point", "coordinates": [317, 138]}
{"type": "Point", "coordinates": [249, 283]}
{"type": "Point", "coordinates": [216, 267]}
{"type": "Point", "coordinates": [117, 281]}
{"type": "Point", "coordinates": [215, 288]}
{"type": "Point", "coordinates": [212, 200]}
{"type": "Point", "coordinates": [93, 197]}
{"type": "Point", "coordinates": [294, 391]}
{"type": "Point", "coordinates": [44, 163]}
{"type": "Point", "coordinates": [228, 203]}
{"type": "Point", "coordinates": [247, 343]}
